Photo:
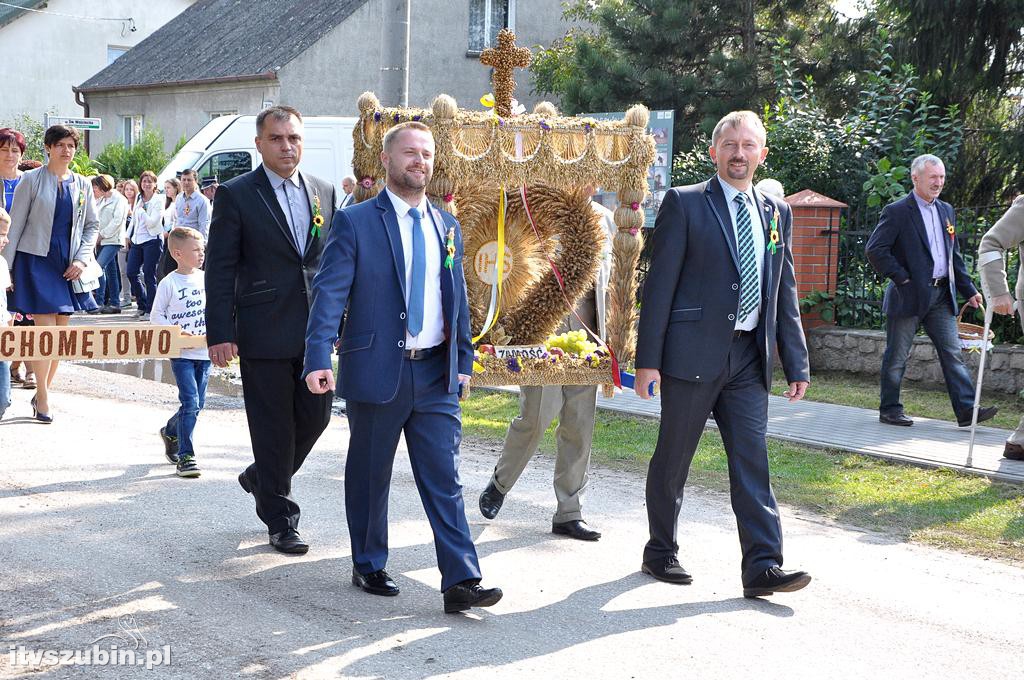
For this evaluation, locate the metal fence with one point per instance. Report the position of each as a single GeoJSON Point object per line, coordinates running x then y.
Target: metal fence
{"type": "Point", "coordinates": [859, 290]}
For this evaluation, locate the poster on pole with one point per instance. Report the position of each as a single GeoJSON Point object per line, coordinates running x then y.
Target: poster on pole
{"type": "Point", "coordinates": [659, 175]}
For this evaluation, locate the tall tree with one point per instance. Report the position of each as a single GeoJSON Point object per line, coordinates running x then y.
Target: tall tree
{"type": "Point", "coordinates": [701, 58]}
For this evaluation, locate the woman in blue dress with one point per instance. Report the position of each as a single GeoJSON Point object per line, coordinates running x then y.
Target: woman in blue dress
{"type": "Point", "coordinates": [53, 234]}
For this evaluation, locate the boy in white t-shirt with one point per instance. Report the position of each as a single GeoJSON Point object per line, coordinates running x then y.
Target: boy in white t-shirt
{"type": "Point", "coordinates": [181, 301]}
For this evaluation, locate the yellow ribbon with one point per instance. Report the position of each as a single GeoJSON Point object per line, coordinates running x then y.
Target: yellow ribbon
{"type": "Point", "coordinates": [495, 307]}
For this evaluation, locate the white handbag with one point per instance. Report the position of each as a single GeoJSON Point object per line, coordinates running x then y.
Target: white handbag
{"type": "Point", "coordinates": [89, 279]}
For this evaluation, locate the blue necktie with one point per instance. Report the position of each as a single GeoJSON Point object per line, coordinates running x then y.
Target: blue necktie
{"type": "Point", "coordinates": [750, 286]}
{"type": "Point", "coordinates": [419, 270]}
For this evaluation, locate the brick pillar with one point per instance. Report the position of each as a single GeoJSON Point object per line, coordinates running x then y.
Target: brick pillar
{"type": "Point", "coordinates": [815, 246]}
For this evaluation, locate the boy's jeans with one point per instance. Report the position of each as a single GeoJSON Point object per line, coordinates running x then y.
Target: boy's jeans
{"type": "Point", "coordinates": [5, 386]}
{"type": "Point", "coordinates": [192, 376]}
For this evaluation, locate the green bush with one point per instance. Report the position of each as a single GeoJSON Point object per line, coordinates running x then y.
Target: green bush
{"type": "Point", "coordinates": [146, 154]}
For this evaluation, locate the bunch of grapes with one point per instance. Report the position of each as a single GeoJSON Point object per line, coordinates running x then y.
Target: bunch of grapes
{"type": "Point", "coordinates": [571, 342]}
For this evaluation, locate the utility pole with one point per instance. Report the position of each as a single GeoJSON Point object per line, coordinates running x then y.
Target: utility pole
{"type": "Point", "coordinates": [394, 53]}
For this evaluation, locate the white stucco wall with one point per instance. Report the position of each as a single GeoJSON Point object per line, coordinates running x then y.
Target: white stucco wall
{"type": "Point", "coordinates": [327, 79]}
{"type": "Point", "coordinates": [46, 55]}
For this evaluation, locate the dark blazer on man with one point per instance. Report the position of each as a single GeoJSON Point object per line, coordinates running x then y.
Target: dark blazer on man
{"type": "Point", "coordinates": [387, 393]}
{"type": "Point", "coordinates": [258, 292]}
{"type": "Point", "coordinates": [687, 331]}
{"type": "Point", "coordinates": [898, 250]}
{"type": "Point", "coordinates": [691, 295]}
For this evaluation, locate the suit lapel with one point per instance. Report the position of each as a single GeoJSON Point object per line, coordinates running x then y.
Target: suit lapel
{"type": "Point", "coordinates": [311, 194]}
{"type": "Point", "coordinates": [915, 219]}
{"type": "Point", "coordinates": [266, 193]}
{"type": "Point", "coordinates": [390, 219]}
{"type": "Point", "coordinates": [716, 200]}
{"type": "Point", "coordinates": [765, 209]}
{"type": "Point", "coordinates": [447, 275]}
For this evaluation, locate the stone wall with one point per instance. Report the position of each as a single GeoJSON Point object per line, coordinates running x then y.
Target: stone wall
{"type": "Point", "coordinates": [857, 351]}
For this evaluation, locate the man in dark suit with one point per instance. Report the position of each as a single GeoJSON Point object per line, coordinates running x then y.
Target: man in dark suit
{"type": "Point", "coordinates": [267, 235]}
{"type": "Point", "coordinates": [719, 295]}
{"type": "Point", "coordinates": [393, 267]}
{"type": "Point", "coordinates": [914, 245]}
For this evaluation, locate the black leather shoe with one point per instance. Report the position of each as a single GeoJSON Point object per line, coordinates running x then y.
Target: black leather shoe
{"type": "Point", "coordinates": [577, 529]}
{"type": "Point", "coordinates": [1013, 451]}
{"type": "Point", "coordinates": [170, 446]}
{"type": "Point", "coordinates": [775, 580]}
{"type": "Point", "coordinates": [375, 583]}
{"type": "Point", "coordinates": [490, 501]}
{"type": "Point", "coordinates": [289, 541]}
{"type": "Point", "coordinates": [895, 419]}
{"type": "Point", "coordinates": [462, 596]}
{"type": "Point", "coordinates": [984, 413]}
{"type": "Point", "coordinates": [667, 569]}
{"type": "Point", "coordinates": [243, 481]}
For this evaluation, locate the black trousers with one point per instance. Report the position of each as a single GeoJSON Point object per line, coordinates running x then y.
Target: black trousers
{"type": "Point", "coordinates": [285, 420]}
{"type": "Point", "coordinates": [739, 401]}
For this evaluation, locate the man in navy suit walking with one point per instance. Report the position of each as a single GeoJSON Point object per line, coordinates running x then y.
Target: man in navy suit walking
{"type": "Point", "coordinates": [404, 358]}
{"type": "Point", "coordinates": [719, 297]}
{"type": "Point", "coordinates": [914, 245]}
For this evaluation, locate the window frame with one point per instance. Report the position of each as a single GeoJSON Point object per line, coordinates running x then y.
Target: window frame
{"type": "Point", "coordinates": [510, 21]}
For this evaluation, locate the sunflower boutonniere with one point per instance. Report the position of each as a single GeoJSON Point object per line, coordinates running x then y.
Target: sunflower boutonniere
{"type": "Point", "coordinates": [450, 247]}
{"type": "Point", "coordinates": [950, 229]}
{"type": "Point", "coordinates": [318, 218]}
{"type": "Point", "coordinates": [774, 239]}
{"type": "Point", "coordinates": [81, 204]}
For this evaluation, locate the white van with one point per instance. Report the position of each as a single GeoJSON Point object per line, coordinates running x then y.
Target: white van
{"type": "Point", "coordinates": [225, 148]}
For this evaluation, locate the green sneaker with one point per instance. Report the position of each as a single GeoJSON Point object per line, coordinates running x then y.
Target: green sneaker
{"type": "Point", "coordinates": [187, 466]}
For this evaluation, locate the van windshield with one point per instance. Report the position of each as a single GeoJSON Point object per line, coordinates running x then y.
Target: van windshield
{"type": "Point", "coordinates": [183, 160]}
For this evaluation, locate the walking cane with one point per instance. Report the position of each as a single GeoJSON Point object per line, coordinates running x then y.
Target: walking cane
{"type": "Point", "coordinates": [977, 390]}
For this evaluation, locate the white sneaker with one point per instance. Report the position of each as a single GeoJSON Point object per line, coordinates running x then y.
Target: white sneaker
{"type": "Point", "coordinates": [143, 317]}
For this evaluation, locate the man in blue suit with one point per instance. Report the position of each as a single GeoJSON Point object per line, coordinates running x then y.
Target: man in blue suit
{"type": "Point", "coordinates": [719, 296]}
{"type": "Point", "coordinates": [914, 245]}
{"type": "Point", "coordinates": [393, 267]}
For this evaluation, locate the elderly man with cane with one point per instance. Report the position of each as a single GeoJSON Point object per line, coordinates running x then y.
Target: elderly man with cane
{"type": "Point", "coordinates": [1005, 234]}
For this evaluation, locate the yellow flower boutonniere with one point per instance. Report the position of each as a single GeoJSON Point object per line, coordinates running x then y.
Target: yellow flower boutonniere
{"type": "Point", "coordinates": [949, 229]}
{"type": "Point", "coordinates": [774, 240]}
{"type": "Point", "coordinates": [318, 218]}
{"type": "Point", "coordinates": [450, 247]}
{"type": "Point", "coordinates": [81, 204]}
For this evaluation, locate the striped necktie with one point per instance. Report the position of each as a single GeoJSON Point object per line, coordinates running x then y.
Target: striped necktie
{"type": "Point", "coordinates": [750, 286]}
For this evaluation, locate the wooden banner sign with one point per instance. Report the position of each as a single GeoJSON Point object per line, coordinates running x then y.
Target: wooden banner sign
{"type": "Point", "coordinates": [94, 343]}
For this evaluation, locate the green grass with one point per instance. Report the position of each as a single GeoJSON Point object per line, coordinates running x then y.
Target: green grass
{"type": "Point", "coordinates": [856, 390]}
{"type": "Point", "coordinates": [934, 507]}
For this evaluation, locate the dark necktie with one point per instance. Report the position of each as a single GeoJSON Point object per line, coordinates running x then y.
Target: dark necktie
{"type": "Point", "coordinates": [419, 270]}
{"type": "Point", "coordinates": [750, 288]}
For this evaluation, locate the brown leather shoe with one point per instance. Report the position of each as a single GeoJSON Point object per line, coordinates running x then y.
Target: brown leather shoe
{"type": "Point", "coordinates": [1013, 451]}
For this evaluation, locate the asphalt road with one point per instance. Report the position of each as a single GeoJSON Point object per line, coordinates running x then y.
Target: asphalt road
{"type": "Point", "coordinates": [99, 540]}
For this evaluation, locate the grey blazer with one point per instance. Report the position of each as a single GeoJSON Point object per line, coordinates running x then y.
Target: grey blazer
{"type": "Point", "coordinates": [32, 217]}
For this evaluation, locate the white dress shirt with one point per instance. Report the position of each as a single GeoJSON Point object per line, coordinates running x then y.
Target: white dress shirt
{"type": "Point", "coordinates": [757, 227]}
{"type": "Point", "coordinates": [295, 206]}
{"type": "Point", "coordinates": [432, 333]}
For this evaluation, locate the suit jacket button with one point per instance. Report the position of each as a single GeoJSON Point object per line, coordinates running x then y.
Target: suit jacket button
{"type": "Point", "coordinates": [732, 317]}
{"type": "Point", "coordinates": [735, 286]}
{"type": "Point", "coordinates": [401, 343]}
{"type": "Point", "coordinates": [402, 315]}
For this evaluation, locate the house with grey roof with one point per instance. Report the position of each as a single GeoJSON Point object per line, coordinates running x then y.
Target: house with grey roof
{"type": "Point", "coordinates": [52, 45]}
{"type": "Point", "coordinates": [222, 57]}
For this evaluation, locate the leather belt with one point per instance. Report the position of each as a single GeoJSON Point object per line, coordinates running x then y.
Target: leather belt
{"type": "Point", "coordinates": [421, 354]}
{"type": "Point", "coordinates": [941, 281]}
{"type": "Point", "coordinates": [742, 334]}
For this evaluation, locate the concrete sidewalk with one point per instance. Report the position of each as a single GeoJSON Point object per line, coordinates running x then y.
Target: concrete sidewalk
{"type": "Point", "coordinates": [930, 443]}
{"type": "Point", "coordinates": [95, 528]}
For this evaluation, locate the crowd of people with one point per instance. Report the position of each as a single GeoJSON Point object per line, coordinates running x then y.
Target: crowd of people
{"type": "Point", "coordinates": [74, 244]}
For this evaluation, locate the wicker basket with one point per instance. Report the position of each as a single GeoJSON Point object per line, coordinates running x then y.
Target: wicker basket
{"type": "Point", "coordinates": [555, 375]}
{"type": "Point", "coordinates": [971, 331]}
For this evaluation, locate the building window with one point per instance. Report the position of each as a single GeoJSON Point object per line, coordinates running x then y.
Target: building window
{"type": "Point", "coordinates": [113, 52]}
{"type": "Point", "coordinates": [131, 130]}
{"type": "Point", "coordinates": [218, 114]}
{"type": "Point", "coordinates": [486, 18]}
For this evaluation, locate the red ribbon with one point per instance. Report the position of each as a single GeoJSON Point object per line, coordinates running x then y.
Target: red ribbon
{"type": "Point", "coordinates": [616, 378]}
